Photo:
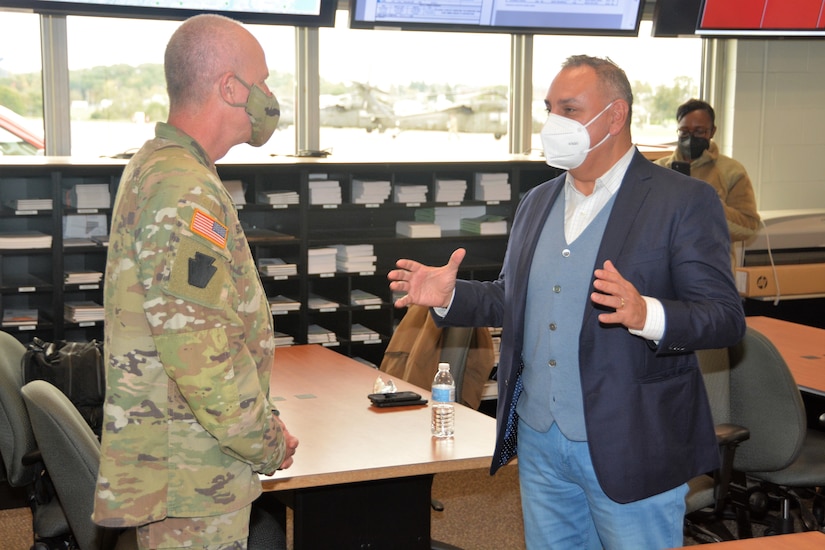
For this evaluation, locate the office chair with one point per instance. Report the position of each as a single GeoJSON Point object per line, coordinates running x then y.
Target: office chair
{"type": "Point", "coordinates": [418, 345]}
{"type": "Point", "coordinates": [23, 464]}
{"type": "Point", "coordinates": [708, 495]}
{"type": "Point", "coordinates": [72, 455]}
{"type": "Point", "coordinates": [71, 451]}
{"type": "Point", "coordinates": [783, 459]}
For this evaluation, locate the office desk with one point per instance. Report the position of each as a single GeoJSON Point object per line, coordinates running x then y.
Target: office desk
{"type": "Point", "coordinates": [811, 540]}
{"type": "Point", "coordinates": [362, 475]}
{"type": "Point", "coordinates": [802, 347]}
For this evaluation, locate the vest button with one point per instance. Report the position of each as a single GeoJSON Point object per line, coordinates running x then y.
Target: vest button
{"type": "Point", "coordinates": [552, 326]}
{"type": "Point", "coordinates": [552, 362]}
{"type": "Point", "coordinates": [557, 289]}
{"type": "Point", "coordinates": [565, 253]}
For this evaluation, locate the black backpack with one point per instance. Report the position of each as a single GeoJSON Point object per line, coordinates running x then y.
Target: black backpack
{"type": "Point", "coordinates": [75, 368]}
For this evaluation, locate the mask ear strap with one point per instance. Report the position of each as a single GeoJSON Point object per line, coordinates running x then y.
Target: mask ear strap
{"type": "Point", "coordinates": [600, 114]}
{"type": "Point", "coordinates": [606, 136]}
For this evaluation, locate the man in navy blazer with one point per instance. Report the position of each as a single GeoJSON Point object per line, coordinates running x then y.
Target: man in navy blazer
{"type": "Point", "coordinates": [602, 301]}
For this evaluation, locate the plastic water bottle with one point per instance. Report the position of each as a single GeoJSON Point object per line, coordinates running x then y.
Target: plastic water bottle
{"type": "Point", "coordinates": [443, 408]}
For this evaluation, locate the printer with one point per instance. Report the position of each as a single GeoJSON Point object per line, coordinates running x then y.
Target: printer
{"type": "Point", "coordinates": [786, 258]}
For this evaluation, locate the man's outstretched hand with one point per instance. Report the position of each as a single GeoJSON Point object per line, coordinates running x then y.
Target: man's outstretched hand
{"type": "Point", "coordinates": [425, 285]}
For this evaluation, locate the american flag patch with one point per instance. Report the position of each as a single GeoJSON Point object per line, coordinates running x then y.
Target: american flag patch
{"type": "Point", "coordinates": [208, 227]}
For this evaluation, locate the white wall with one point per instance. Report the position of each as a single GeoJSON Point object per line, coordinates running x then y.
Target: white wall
{"type": "Point", "coordinates": [779, 123]}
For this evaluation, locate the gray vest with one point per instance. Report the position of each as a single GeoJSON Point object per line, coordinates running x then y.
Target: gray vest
{"type": "Point", "coordinates": [557, 291]}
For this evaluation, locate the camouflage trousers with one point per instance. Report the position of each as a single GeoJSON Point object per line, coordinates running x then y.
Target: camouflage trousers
{"type": "Point", "coordinates": [225, 532]}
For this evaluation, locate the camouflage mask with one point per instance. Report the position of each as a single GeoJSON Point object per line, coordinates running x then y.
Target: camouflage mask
{"type": "Point", "coordinates": [264, 112]}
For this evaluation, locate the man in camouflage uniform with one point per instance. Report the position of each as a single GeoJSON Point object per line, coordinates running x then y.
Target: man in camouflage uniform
{"type": "Point", "coordinates": [188, 330]}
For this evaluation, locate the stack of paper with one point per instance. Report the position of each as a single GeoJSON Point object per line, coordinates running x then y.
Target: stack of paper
{"type": "Point", "coordinates": [316, 334]}
{"type": "Point", "coordinates": [88, 195]}
{"type": "Point", "coordinates": [82, 277]}
{"type": "Point", "coordinates": [448, 217]}
{"type": "Point", "coordinates": [409, 193]}
{"type": "Point", "coordinates": [370, 191]}
{"type": "Point", "coordinates": [29, 205]}
{"type": "Point", "coordinates": [485, 225]}
{"type": "Point", "coordinates": [19, 317]}
{"type": "Point", "coordinates": [492, 187]}
{"type": "Point", "coordinates": [71, 242]}
{"type": "Point", "coordinates": [276, 267]}
{"type": "Point", "coordinates": [277, 197]}
{"type": "Point", "coordinates": [450, 190]}
{"type": "Point", "coordinates": [236, 191]}
{"type": "Point", "coordinates": [18, 240]}
{"type": "Point", "coordinates": [281, 304]}
{"type": "Point", "coordinates": [82, 311]}
{"type": "Point", "coordinates": [360, 333]}
{"type": "Point", "coordinates": [355, 258]}
{"type": "Point", "coordinates": [321, 260]}
{"type": "Point", "coordinates": [358, 297]}
{"type": "Point", "coordinates": [324, 192]}
{"type": "Point", "coordinates": [319, 303]}
{"type": "Point", "coordinates": [282, 339]}
{"type": "Point", "coordinates": [417, 229]}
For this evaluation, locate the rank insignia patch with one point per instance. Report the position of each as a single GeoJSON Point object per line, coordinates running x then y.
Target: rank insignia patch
{"type": "Point", "coordinates": [208, 227]}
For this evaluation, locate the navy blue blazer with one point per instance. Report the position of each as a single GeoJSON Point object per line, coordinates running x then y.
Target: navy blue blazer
{"type": "Point", "coordinates": [648, 420]}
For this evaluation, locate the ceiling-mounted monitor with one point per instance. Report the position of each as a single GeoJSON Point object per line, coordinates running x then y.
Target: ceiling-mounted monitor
{"type": "Point", "coordinates": [298, 13]}
{"type": "Point", "coordinates": [675, 17]}
{"type": "Point", "coordinates": [762, 18]}
{"type": "Point", "coordinates": [596, 17]}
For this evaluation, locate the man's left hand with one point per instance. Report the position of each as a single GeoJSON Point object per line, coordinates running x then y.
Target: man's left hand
{"type": "Point", "coordinates": [614, 291]}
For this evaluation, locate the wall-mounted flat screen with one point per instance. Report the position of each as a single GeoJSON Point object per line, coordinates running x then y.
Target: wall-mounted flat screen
{"type": "Point", "coordinates": [759, 18]}
{"type": "Point", "coordinates": [675, 17]}
{"type": "Point", "coordinates": [596, 17]}
{"type": "Point", "coordinates": [299, 13]}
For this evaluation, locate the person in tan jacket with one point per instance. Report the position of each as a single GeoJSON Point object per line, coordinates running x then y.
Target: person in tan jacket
{"type": "Point", "coordinates": [697, 126]}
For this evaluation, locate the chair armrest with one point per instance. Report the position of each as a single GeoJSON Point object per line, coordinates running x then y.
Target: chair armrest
{"type": "Point", "coordinates": [727, 434]}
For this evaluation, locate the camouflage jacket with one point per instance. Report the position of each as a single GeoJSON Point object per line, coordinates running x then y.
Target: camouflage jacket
{"type": "Point", "coordinates": [188, 344]}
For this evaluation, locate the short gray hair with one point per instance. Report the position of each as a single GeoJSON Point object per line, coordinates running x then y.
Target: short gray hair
{"type": "Point", "coordinates": [610, 75]}
{"type": "Point", "coordinates": [199, 51]}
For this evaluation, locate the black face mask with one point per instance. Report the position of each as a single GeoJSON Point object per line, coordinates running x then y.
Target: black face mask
{"type": "Point", "coordinates": [692, 147]}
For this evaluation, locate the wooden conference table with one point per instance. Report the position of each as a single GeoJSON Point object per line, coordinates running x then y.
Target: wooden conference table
{"type": "Point", "coordinates": [810, 540]}
{"type": "Point", "coordinates": [362, 475]}
{"type": "Point", "coordinates": [802, 347]}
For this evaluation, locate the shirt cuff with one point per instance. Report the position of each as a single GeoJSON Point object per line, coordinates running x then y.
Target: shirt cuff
{"type": "Point", "coordinates": [442, 311]}
{"type": "Point", "coordinates": [654, 328]}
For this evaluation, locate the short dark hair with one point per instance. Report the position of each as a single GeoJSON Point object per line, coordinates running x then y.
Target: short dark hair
{"type": "Point", "coordinates": [695, 105]}
{"type": "Point", "coordinates": [610, 74]}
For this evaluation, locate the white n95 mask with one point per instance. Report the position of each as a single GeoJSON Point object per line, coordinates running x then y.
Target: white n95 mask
{"type": "Point", "coordinates": [566, 141]}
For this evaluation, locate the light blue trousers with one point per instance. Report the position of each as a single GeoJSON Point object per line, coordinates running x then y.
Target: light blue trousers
{"type": "Point", "coordinates": [564, 507]}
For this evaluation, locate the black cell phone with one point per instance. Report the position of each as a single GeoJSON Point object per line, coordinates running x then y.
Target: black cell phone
{"type": "Point", "coordinates": [681, 166]}
{"type": "Point", "coordinates": [396, 399]}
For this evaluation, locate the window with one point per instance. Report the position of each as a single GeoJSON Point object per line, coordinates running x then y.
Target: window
{"type": "Point", "coordinates": [399, 94]}
{"type": "Point", "coordinates": [384, 93]}
{"type": "Point", "coordinates": [21, 95]}
{"type": "Point", "coordinates": [118, 91]}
